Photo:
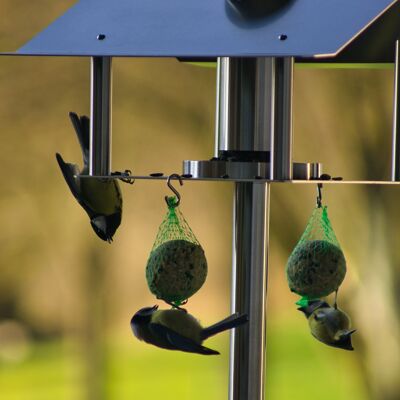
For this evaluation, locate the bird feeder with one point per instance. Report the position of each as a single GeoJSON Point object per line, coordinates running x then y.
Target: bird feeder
{"type": "Point", "coordinates": [255, 44]}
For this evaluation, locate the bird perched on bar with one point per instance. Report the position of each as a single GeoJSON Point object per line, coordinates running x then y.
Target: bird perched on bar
{"type": "Point", "coordinates": [328, 324]}
{"type": "Point", "coordinates": [100, 198]}
{"type": "Point", "coordinates": [175, 329]}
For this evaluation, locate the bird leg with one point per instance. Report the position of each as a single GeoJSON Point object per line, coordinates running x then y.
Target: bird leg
{"type": "Point", "coordinates": [125, 176]}
{"type": "Point", "coordinates": [178, 307]}
{"type": "Point", "coordinates": [335, 302]}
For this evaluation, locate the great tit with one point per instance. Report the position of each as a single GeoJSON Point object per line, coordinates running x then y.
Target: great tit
{"type": "Point", "coordinates": [175, 329]}
{"type": "Point", "coordinates": [328, 324]}
{"type": "Point", "coordinates": [100, 198]}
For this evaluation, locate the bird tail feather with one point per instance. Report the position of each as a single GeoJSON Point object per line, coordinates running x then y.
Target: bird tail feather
{"type": "Point", "coordinates": [230, 322]}
{"type": "Point", "coordinates": [82, 129]}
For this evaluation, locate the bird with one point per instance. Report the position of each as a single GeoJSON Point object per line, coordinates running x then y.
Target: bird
{"type": "Point", "coordinates": [328, 324]}
{"type": "Point", "coordinates": [101, 198]}
{"type": "Point", "coordinates": [176, 329]}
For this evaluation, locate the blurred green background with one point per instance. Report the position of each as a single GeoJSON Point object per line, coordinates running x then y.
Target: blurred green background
{"type": "Point", "coordinates": [66, 298]}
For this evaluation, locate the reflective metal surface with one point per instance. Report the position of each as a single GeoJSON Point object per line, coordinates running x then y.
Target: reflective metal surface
{"type": "Point", "coordinates": [281, 140]}
{"type": "Point", "coordinates": [244, 129]}
{"type": "Point", "coordinates": [249, 284]}
{"type": "Point", "coordinates": [396, 118]}
{"type": "Point", "coordinates": [207, 28]}
{"type": "Point", "coordinates": [100, 116]}
{"type": "Point", "coordinates": [245, 106]}
{"type": "Point", "coordinates": [237, 170]}
{"type": "Point", "coordinates": [226, 169]}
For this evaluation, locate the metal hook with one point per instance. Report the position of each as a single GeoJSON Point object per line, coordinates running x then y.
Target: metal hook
{"type": "Point", "coordinates": [319, 195]}
{"type": "Point", "coordinates": [178, 196]}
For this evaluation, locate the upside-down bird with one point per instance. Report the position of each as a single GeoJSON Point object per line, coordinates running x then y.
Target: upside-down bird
{"type": "Point", "coordinates": [329, 324]}
{"type": "Point", "coordinates": [101, 198]}
{"type": "Point", "coordinates": [175, 329]}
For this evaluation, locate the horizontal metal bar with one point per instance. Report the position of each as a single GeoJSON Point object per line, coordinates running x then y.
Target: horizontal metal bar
{"type": "Point", "coordinates": [165, 177]}
{"type": "Point", "coordinates": [342, 182]}
{"type": "Point", "coordinates": [299, 181]}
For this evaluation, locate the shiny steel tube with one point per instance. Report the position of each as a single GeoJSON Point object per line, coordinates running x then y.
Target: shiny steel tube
{"type": "Point", "coordinates": [396, 118]}
{"type": "Point", "coordinates": [250, 243]}
{"type": "Point", "coordinates": [281, 144]}
{"type": "Point", "coordinates": [244, 104]}
{"type": "Point", "coordinates": [244, 124]}
{"type": "Point", "coordinates": [100, 116]}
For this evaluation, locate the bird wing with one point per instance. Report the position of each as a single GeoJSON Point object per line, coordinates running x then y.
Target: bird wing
{"type": "Point", "coordinates": [71, 176]}
{"type": "Point", "coordinates": [103, 196]}
{"type": "Point", "coordinates": [340, 344]}
{"type": "Point", "coordinates": [96, 196]}
{"type": "Point", "coordinates": [179, 342]}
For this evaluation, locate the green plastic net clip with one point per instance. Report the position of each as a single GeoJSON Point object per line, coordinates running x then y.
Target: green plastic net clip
{"type": "Point", "coordinates": [172, 202]}
{"type": "Point", "coordinates": [304, 301]}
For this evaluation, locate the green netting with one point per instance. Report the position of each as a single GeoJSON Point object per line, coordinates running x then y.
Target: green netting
{"type": "Point", "coordinates": [174, 227]}
{"type": "Point", "coordinates": [317, 265]}
{"type": "Point", "coordinates": [177, 267]}
{"type": "Point", "coordinates": [319, 227]}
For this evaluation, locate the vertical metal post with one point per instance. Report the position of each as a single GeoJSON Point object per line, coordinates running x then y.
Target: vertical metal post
{"type": "Point", "coordinates": [396, 118]}
{"type": "Point", "coordinates": [250, 255]}
{"type": "Point", "coordinates": [281, 145]}
{"type": "Point", "coordinates": [244, 124]}
{"type": "Point", "coordinates": [244, 105]}
{"type": "Point", "coordinates": [100, 116]}
{"type": "Point", "coordinates": [254, 115]}
{"type": "Point", "coordinates": [220, 106]}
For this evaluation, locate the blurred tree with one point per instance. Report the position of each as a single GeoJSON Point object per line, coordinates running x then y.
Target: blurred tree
{"type": "Point", "coordinates": [343, 119]}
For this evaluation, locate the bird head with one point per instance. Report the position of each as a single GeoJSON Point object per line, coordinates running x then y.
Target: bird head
{"type": "Point", "coordinates": [143, 316]}
{"type": "Point", "coordinates": [312, 306]}
{"type": "Point", "coordinates": [105, 226]}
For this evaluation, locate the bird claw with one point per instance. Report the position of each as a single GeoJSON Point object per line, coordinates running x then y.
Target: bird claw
{"type": "Point", "coordinates": [125, 176]}
{"type": "Point", "coordinates": [178, 307]}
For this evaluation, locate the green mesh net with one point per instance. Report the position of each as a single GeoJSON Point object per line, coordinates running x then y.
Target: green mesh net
{"type": "Point", "coordinates": [317, 265]}
{"type": "Point", "coordinates": [319, 227]}
{"type": "Point", "coordinates": [174, 227]}
{"type": "Point", "coordinates": [177, 266]}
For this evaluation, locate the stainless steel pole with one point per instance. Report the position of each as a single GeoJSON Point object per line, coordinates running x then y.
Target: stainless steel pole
{"type": "Point", "coordinates": [250, 260]}
{"type": "Point", "coordinates": [244, 124]}
{"type": "Point", "coordinates": [396, 118]}
{"type": "Point", "coordinates": [253, 122]}
{"type": "Point", "coordinates": [281, 145]}
{"type": "Point", "coordinates": [244, 116]}
{"type": "Point", "coordinates": [100, 116]}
